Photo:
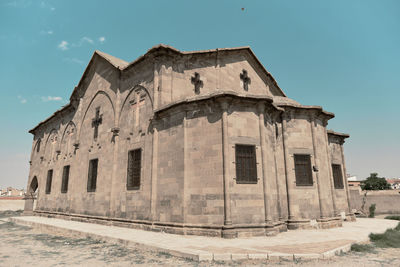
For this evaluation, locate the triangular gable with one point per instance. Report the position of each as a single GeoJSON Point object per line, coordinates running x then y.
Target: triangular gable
{"type": "Point", "coordinates": [174, 50]}
{"type": "Point", "coordinates": [113, 61]}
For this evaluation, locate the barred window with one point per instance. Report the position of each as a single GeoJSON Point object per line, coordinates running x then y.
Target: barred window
{"type": "Point", "coordinates": [337, 176]}
{"type": "Point", "coordinates": [48, 181]}
{"type": "Point", "coordinates": [92, 175]}
{"type": "Point", "coordinates": [134, 169]}
{"type": "Point", "coordinates": [302, 166]}
{"type": "Point", "coordinates": [246, 166]}
{"type": "Point", "coordinates": [65, 178]}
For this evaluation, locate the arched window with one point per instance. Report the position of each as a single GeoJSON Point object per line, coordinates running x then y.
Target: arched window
{"type": "Point", "coordinates": [34, 185]}
{"type": "Point", "coordinates": [38, 146]}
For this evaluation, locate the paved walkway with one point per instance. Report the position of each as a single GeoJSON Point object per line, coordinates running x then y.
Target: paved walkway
{"type": "Point", "coordinates": [291, 245]}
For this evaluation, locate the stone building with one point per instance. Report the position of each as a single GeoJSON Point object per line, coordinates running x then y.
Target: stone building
{"type": "Point", "coordinates": [202, 143]}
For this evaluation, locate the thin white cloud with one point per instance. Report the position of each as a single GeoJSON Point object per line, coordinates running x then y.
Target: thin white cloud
{"type": "Point", "coordinates": [82, 41]}
{"type": "Point", "coordinates": [49, 32]}
{"type": "Point", "coordinates": [21, 99]}
{"type": "Point", "coordinates": [63, 45]}
{"type": "Point", "coordinates": [52, 8]}
{"type": "Point", "coordinates": [87, 39]}
{"type": "Point", "coordinates": [74, 60]}
{"type": "Point", "coordinates": [51, 98]}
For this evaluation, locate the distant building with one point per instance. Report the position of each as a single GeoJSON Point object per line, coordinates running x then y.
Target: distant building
{"type": "Point", "coordinates": [12, 192]}
{"type": "Point", "coordinates": [353, 180]}
{"type": "Point", "coordinates": [394, 182]}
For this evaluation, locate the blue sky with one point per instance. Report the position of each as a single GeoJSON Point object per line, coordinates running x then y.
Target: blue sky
{"type": "Point", "coordinates": [342, 55]}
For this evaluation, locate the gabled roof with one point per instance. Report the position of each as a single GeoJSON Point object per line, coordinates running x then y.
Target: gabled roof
{"type": "Point", "coordinates": [116, 62]}
{"type": "Point", "coordinates": [113, 61]}
{"type": "Point", "coordinates": [172, 49]}
{"type": "Point", "coordinates": [122, 65]}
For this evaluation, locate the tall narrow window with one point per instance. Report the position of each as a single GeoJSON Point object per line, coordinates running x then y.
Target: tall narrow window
{"type": "Point", "coordinates": [337, 176]}
{"type": "Point", "coordinates": [302, 166]}
{"type": "Point", "coordinates": [38, 146]}
{"type": "Point", "coordinates": [48, 181]}
{"type": "Point", "coordinates": [92, 175]}
{"type": "Point", "coordinates": [134, 168]}
{"type": "Point", "coordinates": [246, 166]}
{"type": "Point", "coordinates": [65, 178]}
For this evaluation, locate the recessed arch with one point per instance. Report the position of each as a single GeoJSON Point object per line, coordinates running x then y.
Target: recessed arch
{"type": "Point", "coordinates": [52, 132]}
{"type": "Point", "coordinates": [70, 124]}
{"type": "Point", "coordinates": [133, 89]}
{"type": "Point", "coordinates": [67, 139]}
{"type": "Point", "coordinates": [90, 104]}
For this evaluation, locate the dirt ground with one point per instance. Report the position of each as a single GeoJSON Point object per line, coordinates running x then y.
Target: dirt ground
{"type": "Point", "coordinates": [23, 246]}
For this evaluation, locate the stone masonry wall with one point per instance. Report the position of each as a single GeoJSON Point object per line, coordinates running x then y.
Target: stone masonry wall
{"type": "Point", "coordinates": [203, 185]}
{"type": "Point", "coordinates": [385, 200]}
{"type": "Point", "coordinates": [170, 169]}
{"type": "Point", "coordinates": [341, 194]}
{"type": "Point", "coordinates": [247, 199]}
{"type": "Point", "coordinates": [304, 198]}
{"type": "Point", "coordinates": [216, 74]}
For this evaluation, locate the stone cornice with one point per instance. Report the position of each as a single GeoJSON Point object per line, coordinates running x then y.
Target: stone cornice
{"type": "Point", "coordinates": [54, 115]}
{"type": "Point", "coordinates": [342, 135]}
{"type": "Point", "coordinates": [339, 137]}
{"type": "Point", "coordinates": [318, 109]}
{"type": "Point", "coordinates": [216, 96]}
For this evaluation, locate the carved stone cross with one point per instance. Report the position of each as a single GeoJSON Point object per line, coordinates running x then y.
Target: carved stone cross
{"type": "Point", "coordinates": [96, 121]}
{"type": "Point", "coordinates": [246, 80]}
{"type": "Point", "coordinates": [197, 82]}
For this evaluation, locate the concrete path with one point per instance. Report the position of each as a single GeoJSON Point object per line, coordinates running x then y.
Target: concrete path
{"type": "Point", "coordinates": [291, 245]}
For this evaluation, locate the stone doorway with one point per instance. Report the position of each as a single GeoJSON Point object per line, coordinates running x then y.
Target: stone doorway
{"type": "Point", "coordinates": [30, 197]}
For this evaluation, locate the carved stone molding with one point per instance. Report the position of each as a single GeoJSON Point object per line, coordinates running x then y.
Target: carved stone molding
{"type": "Point", "coordinates": [261, 107]}
{"type": "Point", "coordinates": [224, 103]}
{"type": "Point", "coordinates": [115, 131]}
{"type": "Point", "coordinates": [76, 145]}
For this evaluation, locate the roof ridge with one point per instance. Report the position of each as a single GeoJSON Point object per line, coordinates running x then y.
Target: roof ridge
{"type": "Point", "coordinates": [116, 62]}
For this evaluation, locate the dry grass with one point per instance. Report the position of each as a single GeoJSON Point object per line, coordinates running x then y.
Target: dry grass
{"type": "Point", "coordinates": [393, 217]}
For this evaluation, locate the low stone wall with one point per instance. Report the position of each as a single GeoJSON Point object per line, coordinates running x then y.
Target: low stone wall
{"type": "Point", "coordinates": [11, 204]}
{"type": "Point", "coordinates": [387, 201]}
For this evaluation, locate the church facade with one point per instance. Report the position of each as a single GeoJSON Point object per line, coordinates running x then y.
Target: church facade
{"type": "Point", "coordinates": [201, 143]}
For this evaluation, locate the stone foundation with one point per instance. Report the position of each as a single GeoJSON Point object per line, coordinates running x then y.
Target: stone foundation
{"type": "Point", "coordinates": [231, 231]}
{"type": "Point", "coordinates": [324, 223]}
